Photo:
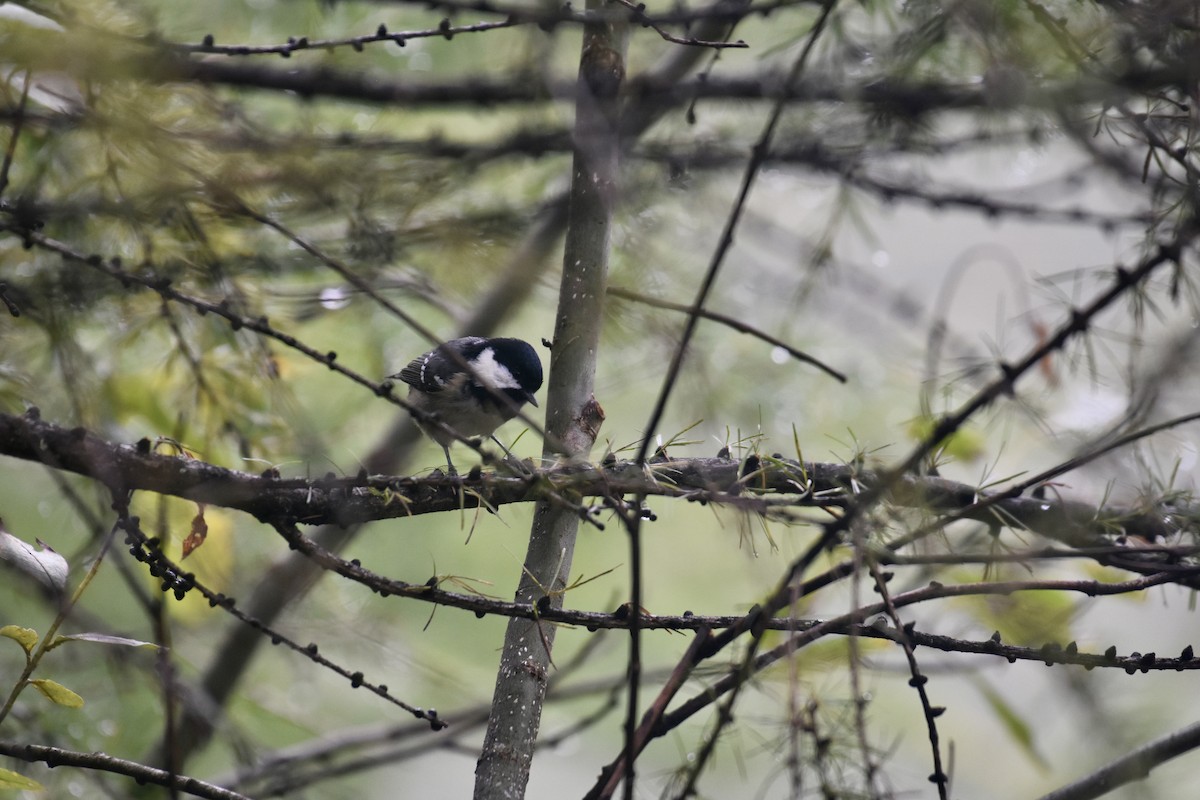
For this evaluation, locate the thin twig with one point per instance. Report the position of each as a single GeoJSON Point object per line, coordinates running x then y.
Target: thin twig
{"type": "Point", "coordinates": [731, 322]}
{"type": "Point", "coordinates": [1131, 767]}
{"type": "Point", "coordinates": [58, 757]}
{"type": "Point", "coordinates": [639, 17]}
{"type": "Point", "coordinates": [11, 150]}
{"type": "Point", "coordinates": [302, 43]}
{"type": "Point", "coordinates": [917, 681]}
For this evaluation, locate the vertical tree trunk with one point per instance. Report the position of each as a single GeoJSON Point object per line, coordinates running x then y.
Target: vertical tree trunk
{"type": "Point", "coordinates": [572, 415]}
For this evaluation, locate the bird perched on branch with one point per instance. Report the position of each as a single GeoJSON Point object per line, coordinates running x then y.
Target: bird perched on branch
{"type": "Point", "coordinates": [503, 375]}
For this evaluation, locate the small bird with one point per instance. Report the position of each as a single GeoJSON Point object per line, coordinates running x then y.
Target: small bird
{"type": "Point", "coordinates": [472, 405]}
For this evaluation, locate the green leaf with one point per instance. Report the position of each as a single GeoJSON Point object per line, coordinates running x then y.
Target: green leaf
{"type": "Point", "coordinates": [57, 693]}
{"type": "Point", "coordinates": [1021, 732]}
{"type": "Point", "coordinates": [965, 444]}
{"type": "Point", "coordinates": [101, 638]}
{"type": "Point", "coordinates": [15, 780]}
{"type": "Point", "coordinates": [26, 637]}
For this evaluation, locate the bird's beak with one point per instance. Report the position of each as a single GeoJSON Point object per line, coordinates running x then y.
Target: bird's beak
{"type": "Point", "coordinates": [532, 400]}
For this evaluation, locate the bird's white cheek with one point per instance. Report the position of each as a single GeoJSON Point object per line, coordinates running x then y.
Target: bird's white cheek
{"type": "Point", "coordinates": [492, 372]}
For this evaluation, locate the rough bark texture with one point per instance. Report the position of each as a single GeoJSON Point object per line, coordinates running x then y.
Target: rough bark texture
{"type": "Point", "coordinates": [752, 484]}
{"type": "Point", "coordinates": [572, 418]}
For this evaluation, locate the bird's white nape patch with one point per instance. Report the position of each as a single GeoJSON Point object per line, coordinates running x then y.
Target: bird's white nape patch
{"type": "Point", "coordinates": [493, 373]}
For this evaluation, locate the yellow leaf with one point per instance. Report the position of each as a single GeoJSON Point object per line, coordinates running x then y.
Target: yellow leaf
{"type": "Point", "coordinates": [57, 693]}
{"type": "Point", "coordinates": [15, 780]}
{"type": "Point", "coordinates": [26, 637]}
{"type": "Point", "coordinates": [965, 444]}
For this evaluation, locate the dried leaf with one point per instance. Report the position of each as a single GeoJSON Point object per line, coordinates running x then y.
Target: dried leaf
{"type": "Point", "coordinates": [198, 533]}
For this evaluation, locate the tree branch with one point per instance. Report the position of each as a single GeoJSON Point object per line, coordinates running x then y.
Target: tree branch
{"type": "Point", "coordinates": [1132, 766]}
{"type": "Point", "coordinates": [771, 487]}
{"type": "Point", "coordinates": [896, 97]}
{"type": "Point", "coordinates": [57, 757]}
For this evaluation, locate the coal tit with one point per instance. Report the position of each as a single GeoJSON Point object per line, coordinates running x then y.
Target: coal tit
{"type": "Point", "coordinates": [439, 385]}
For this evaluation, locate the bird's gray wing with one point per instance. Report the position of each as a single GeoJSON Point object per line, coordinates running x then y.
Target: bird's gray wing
{"type": "Point", "coordinates": [421, 373]}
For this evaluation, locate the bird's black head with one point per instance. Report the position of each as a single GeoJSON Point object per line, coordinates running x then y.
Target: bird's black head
{"type": "Point", "coordinates": [521, 360]}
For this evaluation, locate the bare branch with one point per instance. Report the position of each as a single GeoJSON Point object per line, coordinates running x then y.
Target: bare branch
{"type": "Point", "coordinates": [1131, 767]}
{"type": "Point", "coordinates": [57, 757]}
{"type": "Point", "coordinates": [766, 487]}
{"type": "Point", "coordinates": [728, 321]}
